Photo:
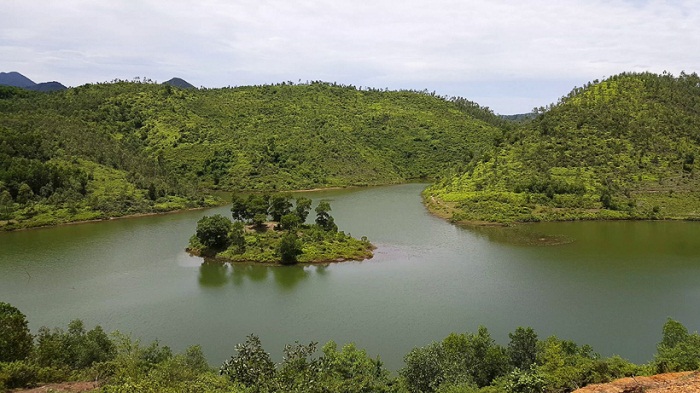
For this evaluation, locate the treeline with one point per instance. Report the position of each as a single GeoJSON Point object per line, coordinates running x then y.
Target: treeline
{"type": "Point", "coordinates": [118, 148]}
{"type": "Point", "coordinates": [621, 148]}
{"type": "Point", "coordinates": [468, 363]}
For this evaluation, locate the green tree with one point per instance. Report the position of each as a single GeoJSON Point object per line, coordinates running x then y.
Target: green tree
{"type": "Point", "coordinates": [213, 231]}
{"type": "Point", "coordinates": [279, 206]}
{"type": "Point", "coordinates": [15, 339]}
{"type": "Point", "coordinates": [237, 236]}
{"type": "Point", "coordinates": [302, 208]}
{"type": "Point", "coordinates": [323, 217]}
{"type": "Point", "coordinates": [678, 349]}
{"type": "Point", "coordinates": [289, 248]}
{"type": "Point", "coordinates": [289, 222]}
{"type": "Point", "coordinates": [24, 194]}
{"type": "Point", "coordinates": [522, 348]}
{"type": "Point", "coordinates": [5, 205]}
{"type": "Point", "coordinates": [239, 208]}
{"type": "Point", "coordinates": [251, 366]}
{"type": "Point", "coordinates": [257, 205]}
{"type": "Point", "coordinates": [259, 221]}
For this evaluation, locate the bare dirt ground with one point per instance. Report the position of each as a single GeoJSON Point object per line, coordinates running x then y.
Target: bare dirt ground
{"type": "Point", "coordinates": [686, 382]}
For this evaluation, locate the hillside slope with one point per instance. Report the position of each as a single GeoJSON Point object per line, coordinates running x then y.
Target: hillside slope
{"type": "Point", "coordinates": [626, 147]}
{"type": "Point", "coordinates": [124, 147]}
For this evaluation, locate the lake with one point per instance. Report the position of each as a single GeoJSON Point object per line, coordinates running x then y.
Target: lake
{"type": "Point", "coordinates": [608, 284]}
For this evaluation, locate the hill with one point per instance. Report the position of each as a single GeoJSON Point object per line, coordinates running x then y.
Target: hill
{"type": "Point", "coordinates": [47, 87]}
{"type": "Point", "coordinates": [15, 79]}
{"type": "Point", "coordinates": [178, 82]}
{"type": "Point", "coordinates": [124, 147]}
{"type": "Point", "coordinates": [622, 148]}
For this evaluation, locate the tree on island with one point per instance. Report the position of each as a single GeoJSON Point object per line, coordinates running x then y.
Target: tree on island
{"type": "Point", "coordinates": [279, 206]}
{"type": "Point", "coordinates": [324, 218]}
{"type": "Point", "coordinates": [213, 232]}
{"type": "Point", "coordinates": [289, 248]}
{"type": "Point", "coordinates": [302, 208]}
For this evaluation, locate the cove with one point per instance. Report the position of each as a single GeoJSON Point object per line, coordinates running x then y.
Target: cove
{"type": "Point", "coordinates": [608, 284]}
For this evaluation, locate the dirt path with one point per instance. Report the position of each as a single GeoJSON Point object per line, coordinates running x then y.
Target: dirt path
{"type": "Point", "coordinates": [686, 382]}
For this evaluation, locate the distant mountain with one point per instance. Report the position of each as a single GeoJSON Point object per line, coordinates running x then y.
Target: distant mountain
{"type": "Point", "coordinates": [178, 82]}
{"type": "Point", "coordinates": [15, 79]}
{"type": "Point", "coordinates": [519, 116]}
{"type": "Point", "coordinates": [47, 87]}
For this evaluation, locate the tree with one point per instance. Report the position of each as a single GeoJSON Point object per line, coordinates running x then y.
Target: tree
{"type": "Point", "coordinates": [323, 217]}
{"type": "Point", "coordinates": [289, 222]}
{"type": "Point", "coordinates": [279, 206]}
{"type": "Point", "coordinates": [239, 208]}
{"type": "Point", "coordinates": [251, 366]}
{"type": "Point", "coordinates": [303, 207]}
{"type": "Point", "coordinates": [257, 204]}
{"type": "Point", "coordinates": [289, 248]}
{"type": "Point", "coordinates": [15, 339]}
{"type": "Point", "coordinates": [24, 194]}
{"type": "Point", "coordinates": [237, 236]}
{"type": "Point", "coordinates": [213, 232]}
{"type": "Point", "coordinates": [522, 348]}
{"type": "Point", "coordinates": [5, 204]}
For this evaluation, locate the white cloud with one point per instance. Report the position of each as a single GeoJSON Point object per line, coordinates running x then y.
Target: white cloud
{"type": "Point", "coordinates": [451, 46]}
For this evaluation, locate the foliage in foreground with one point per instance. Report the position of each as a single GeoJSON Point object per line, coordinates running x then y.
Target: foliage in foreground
{"type": "Point", "coordinates": [466, 363]}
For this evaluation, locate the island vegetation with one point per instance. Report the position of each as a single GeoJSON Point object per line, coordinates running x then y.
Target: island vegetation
{"type": "Point", "coordinates": [460, 363]}
{"type": "Point", "coordinates": [271, 229]}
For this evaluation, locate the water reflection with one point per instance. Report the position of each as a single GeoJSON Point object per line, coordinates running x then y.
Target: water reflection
{"type": "Point", "coordinates": [255, 273]}
{"type": "Point", "coordinates": [519, 235]}
{"type": "Point", "coordinates": [212, 274]}
{"type": "Point", "coordinates": [216, 274]}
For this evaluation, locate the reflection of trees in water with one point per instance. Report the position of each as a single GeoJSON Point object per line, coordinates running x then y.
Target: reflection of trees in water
{"type": "Point", "coordinates": [216, 274]}
{"type": "Point", "coordinates": [518, 235]}
{"type": "Point", "coordinates": [213, 274]}
{"type": "Point", "coordinates": [255, 273]}
{"type": "Point", "coordinates": [287, 277]}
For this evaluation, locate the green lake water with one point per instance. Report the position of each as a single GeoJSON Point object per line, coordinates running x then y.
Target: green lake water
{"type": "Point", "coordinates": [608, 284]}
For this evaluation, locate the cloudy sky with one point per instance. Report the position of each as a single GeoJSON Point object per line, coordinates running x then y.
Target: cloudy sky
{"type": "Point", "coordinates": [509, 55]}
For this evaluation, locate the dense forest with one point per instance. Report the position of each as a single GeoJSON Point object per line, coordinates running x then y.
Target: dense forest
{"type": "Point", "coordinates": [103, 150]}
{"type": "Point", "coordinates": [626, 147]}
{"type": "Point", "coordinates": [460, 363]}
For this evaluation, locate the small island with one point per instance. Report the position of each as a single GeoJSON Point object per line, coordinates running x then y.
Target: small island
{"type": "Point", "coordinates": [273, 230]}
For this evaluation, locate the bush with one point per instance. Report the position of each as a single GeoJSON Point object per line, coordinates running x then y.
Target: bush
{"type": "Point", "coordinates": [18, 374]}
{"type": "Point", "coordinates": [15, 339]}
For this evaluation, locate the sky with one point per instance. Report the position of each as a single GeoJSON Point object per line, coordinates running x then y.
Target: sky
{"type": "Point", "coordinates": [508, 55]}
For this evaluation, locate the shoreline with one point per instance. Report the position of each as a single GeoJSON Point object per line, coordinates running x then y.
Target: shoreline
{"type": "Point", "coordinates": [446, 210]}
{"type": "Point", "coordinates": [112, 218]}
{"type": "Point", "coordinates": [222, 260]}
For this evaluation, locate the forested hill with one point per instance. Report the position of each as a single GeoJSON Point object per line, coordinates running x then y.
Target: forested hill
{"type": "Point", "coordinates": [626, 147]}
{"type": "Point", "coordinates": [119, 148]}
